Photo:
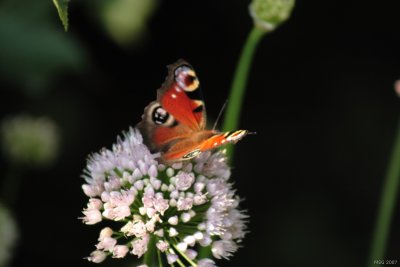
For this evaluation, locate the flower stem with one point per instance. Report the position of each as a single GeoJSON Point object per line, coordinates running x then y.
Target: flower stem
{"type": "Point", "coordinates": [387, 204]}
{"type": "Point", "coordinates": [150, 255]}
{"type": "Point", "coordinates": [159, 258]}
{"type": "Point", "coordinates": [180, 263]}
{"type": "Point", "coordinates": [184, 256]}
{"type": "Point", "coordinates": [235, 100]}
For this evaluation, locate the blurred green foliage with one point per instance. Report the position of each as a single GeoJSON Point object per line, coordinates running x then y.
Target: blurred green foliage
{"type": "Point", "coordinates": [34, 51]}
{"type": "Point", "coordinates": [8, 235]}
{"type": "Point", "coordinates": [30, 141]}
{"type": "Point", "coordinates": [125, 21]}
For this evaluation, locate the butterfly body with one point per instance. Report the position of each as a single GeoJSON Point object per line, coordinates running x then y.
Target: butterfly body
{"type": "Point", "coordinates": [175, 123]}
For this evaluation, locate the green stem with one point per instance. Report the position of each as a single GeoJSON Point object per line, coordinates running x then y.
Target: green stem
{"type": "Point", "coordinates": [160, 264]}
{"type": "Point", "coordinates": [184, 256]}
{"type": "Point", "coordinates": [180, 263]}
{"type": "Point", "coordinates": [387, 204]}
{"type": "Point", "coordinates": [235, 100]}
{"type": "Point", "coordinates": [150, 256]}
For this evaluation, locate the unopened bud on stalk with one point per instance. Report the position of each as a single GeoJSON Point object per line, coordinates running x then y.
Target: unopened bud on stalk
{"type": "Point", "coordinates": [269, 14]}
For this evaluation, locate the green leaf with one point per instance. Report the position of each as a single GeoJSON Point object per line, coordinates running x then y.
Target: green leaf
{"type": "Point", "coordinates": [62, 8]}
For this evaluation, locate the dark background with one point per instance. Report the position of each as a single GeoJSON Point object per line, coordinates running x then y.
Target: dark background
{"type": "Point", "coordinates": [320, 97]}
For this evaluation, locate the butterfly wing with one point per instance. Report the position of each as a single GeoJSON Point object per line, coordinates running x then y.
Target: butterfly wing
{"type": "Point", "coordinates": [174, 123]}
{"type": "Point", "coordinates": [178, 111]}
{"type": "Point", "coordinates": [180, 95]}
{"type": "Point", "coordinates": [201, 141]}
{"type": "Point", "coordinates": [220, 139]}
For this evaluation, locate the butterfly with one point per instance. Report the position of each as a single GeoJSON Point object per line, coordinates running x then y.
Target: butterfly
{"type": "Point", "coordinates": [174, 124]}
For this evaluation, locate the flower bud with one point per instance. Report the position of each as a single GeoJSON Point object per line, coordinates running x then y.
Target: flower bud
{"type": "Point", "coordinates": [120, 251]}
{"type": "Point", "coordinates": [97, 256]}
{"type": "Point", "coordinates": [105, 232]}
{"type": "Point", "coordinates": [269, 14]}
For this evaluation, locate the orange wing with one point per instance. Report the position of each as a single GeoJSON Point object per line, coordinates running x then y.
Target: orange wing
{"type": "Point", "coordinates": [201, 141]}
{"type": "Point", "coordinates": [180, 95]}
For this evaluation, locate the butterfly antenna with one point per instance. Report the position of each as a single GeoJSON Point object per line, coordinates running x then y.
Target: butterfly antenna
{"type": "Point", "coordinates": [220, 114]}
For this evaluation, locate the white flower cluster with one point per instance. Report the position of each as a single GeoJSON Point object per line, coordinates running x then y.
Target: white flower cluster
{"type": "Point", "coordinates": [179, 208]}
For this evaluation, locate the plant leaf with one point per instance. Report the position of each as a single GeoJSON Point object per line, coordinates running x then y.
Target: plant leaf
{"type": "Point", "coordinates": [62, 8]}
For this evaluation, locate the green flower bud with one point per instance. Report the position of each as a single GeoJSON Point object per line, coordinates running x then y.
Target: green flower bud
{"type": "Point", "coordinates": [31, 141]}
{"type": "Point", "coordinates": [269, 14]}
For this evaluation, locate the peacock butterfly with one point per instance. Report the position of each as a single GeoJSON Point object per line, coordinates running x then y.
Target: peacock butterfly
{"type": "Point", "coordinates": [175, 123]}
